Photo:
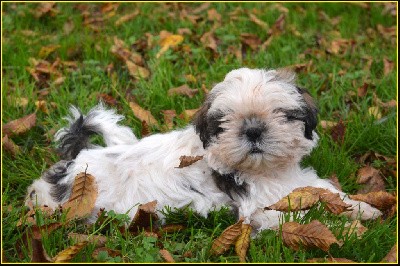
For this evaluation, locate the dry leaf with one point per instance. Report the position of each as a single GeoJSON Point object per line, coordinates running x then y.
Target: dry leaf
{"type": "Point", "coordinates": [126, 18]}
{"type": "Point", "coordinates": [68, 254]}
{"type": "Point", "coordinates": [335, 181]}
{"type": "Point", "coordinates": [327, 124]}
{"type": "Point", "coordinates": [83, 196]}
{"type": "Point", "coordinates": [297, 200]}
{"type": "Point", "coordinates": [314, 234]}
{"type": "Point", "coordinates": [338, 132]}
{"type": "Point", "coordinates": [119, 49]}
{"type": "Point", "coordinates": [167, 257]}
{"type": "Point", "coordinates": [136, 71]}
{"type": "Point", "coordinates": [45, 8]}
{"type": "Point", "coordinates": [381, 200]}
{"type": "Point", "coordinates": [388, 66]}
{"type": "Point", "coordinates": [330, 260]}
{"type": "Point", "coordinates": [375, 112]}
{"type": "Point", "coordinates": [45, 51]}
{"type": "Point", "coordinates": [333, 203]}
{"type": "Point", "coordinates": [183, 90]}
{"type": "Point", "coordinates": [209, 41]}
{"type": "Point", "coordinates": [371, 178]}
{"type": "Point", "coordinates": [188, 114]}
{"type": "Point", "coordinates": [98, 240]}
{"type": "Point", "coordinates": [145, 131]}
{"type": "Point", "coordinates": [259, 22]}
{"type": "Point", "coordinates": [20, 126]}
{"type": "Point", "coordinates": [188, 160]}
{"type": "Point", "coordinates": [250, 40]}
{"type": "Point", "coordinates": [243, 242]}
{"type": "Point", "coordinates": [144, 217]}
{"type": "Point", "coordinates": [390, 32]}
{"type": "Point", "coordinates": [201, 8]}
{"type": "Point", "coordinates": [355, 228]}
{"type": "Point", "coordinates": [68, 27]}
{"type": "Point", "coordinates": [169, 116]}
{"type": "Point", "coordinates": [362, 91]}
{"type": "Point", "coordinates": [168, 40]}
{"type": "Point", "coordinates": [142, 114]}
{"type": "Point", "coordinates": [108, 99]}
{"type": "Point", "coordinates": [213, 15]}
{"type": "Point", "coordinates": [10, 146]}
{"type": "Point", "coordinates": [42, 106]}
{"type": "Point", "coordinates": [227, 238]}
{"type": "Point", "coordinates": [392, 255]}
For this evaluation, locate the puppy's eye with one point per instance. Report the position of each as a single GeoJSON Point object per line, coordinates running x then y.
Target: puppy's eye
{"type": "Point", "coordinates": [293, 115]}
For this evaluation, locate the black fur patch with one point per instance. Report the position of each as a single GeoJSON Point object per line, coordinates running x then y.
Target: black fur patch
{"type": "Point", "coordinates": [209, 127]}
{"type": "Point", "coordinates": [195, 190]}
{"type": "Point", "coordinates": [57, 172]}
{"type": "Point", "coordinates": [76, 138]}
{"type": "Point", "coordinates": [59, 191]}
{"type": "Point", "coordinates": [227, 184]}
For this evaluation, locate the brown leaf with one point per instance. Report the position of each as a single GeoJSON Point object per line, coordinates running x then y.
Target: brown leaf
{"type": "Point", "coordinates": [10, 146]}
{"type": "Point", "coordinates": [188, 160]}
{"type": "Point", "coordinates": [142, 114]}
{"type": "Point", "coordinates": [39, 254]}
{"type": "Point", "coordinates": [392, 255]}
{"type": "Point", "coordinates": [168, 40]}
{"type": "Point", "coordinates": [378, 102]}
{"type": "Point", "coordinates": [327, 124]}
{"type": "Point", "coordinates": [213, 15]}
{"type": "Point", "coordinates": [298, 200]}
{"type": "Point", "coordinates": [279, 25]}
{"type": "Point", "coordinates": [209, 41]}
{"type": "Point", "coordinates": [45, 8]}
{"type": "Point", "coordinates": [259, 22]}
{"type": "Point", "coordinates": [136, 71]}
{"type": "Point", "coordinates": [167, 257]}
{"type": "Point", "coordinates": [338, 132]}
{"type": "Point", "coordinates": [314, 234]}
{"type": "Point", "coordinates": [381, 200]}
{"type": "Point", "coordinates": [108, 99]}
{"type": "Point", "coordinates": [69, 253]}
{"type": "Point", "coordinates": [355, 228]}
{"type": "Point", "coordinates": [42, 106]}
{"type": "Point", "coordinates": [110, 252]}
{"type": "Point", "coordinates": [387, 33]}
{"type": "Point", "coordinates": [83, 196]}
{"type": "Point", "coordinates": [243, 242]}
{"type": "Point", "coordinates": [98, 240]}
{"type": "Point", "coordinates": [201, 8]}
{"type": "Point", "coordinates": [330, 260]}
{"type": "Point", "coordinates": [335, 181]}
{"type": "Point", "coordinates": [250, 40]}
{"type": "Point", "coordinates": [333, 202]}
{"type": "Point", "coordinates": [371, 179]}
{"type": "Point", "coordinates": [120, 50]}
{"type": "Point", "coordinates": [29, 217]}
{"type": "Point", "coordinates": [388, 66]}
{"type": "Point", "coordinates": [45, 51]}
{"type": "Point", "coordinates": [145, 131]}
{"type": "Point", "coordinates": [68, 27]}
{"type": "Point", "coordinates": [169, 116]}
{"type": "Point", "coordinates": [362, 91]}
{"type": "Point", "coordinates": [144, 217]}
{"type": "Point", "coordinates": [227, 238]}
{"type": "Point", "coordinates": [20, 126]}
{"type": "Point", "coordinates": [183, 90]}
{"type": "Point", "coordinates": [126, 18]}
{"type": "Point", "coordinates": [188, 114]}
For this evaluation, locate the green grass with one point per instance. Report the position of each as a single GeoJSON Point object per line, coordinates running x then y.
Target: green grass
{"type": "Point", "coordinates": [330, 79]}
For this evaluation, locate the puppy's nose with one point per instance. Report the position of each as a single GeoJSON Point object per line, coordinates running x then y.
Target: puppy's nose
{"type": "Point", "coordinates": [254, 133]}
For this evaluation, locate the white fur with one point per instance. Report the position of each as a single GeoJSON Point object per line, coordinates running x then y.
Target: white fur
{"type": "Point", "coordinates": [130, 172]}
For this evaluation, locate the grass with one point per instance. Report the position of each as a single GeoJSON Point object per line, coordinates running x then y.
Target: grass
{"type": "Point", "coordinates": [330, 79]}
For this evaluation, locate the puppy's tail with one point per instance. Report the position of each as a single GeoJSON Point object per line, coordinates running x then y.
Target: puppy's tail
{"type": "Point", "coordinates": [99, 121]}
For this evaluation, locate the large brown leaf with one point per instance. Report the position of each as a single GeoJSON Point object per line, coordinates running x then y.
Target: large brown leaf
{"type": "Point", "coordinates": [392, 255]}
{"type": "Point", "coordinates": [297, 200]}
{"type": "Point", "coordinates": [144, 217]}
{"type": "Point", "coordinates": [371, 179]}
{"type": "Point", "coordinates": [69, 253]}
{"type": "Point", "coordinates": [83, 196]}
{"type": "Point", "coordinates": [381, 200]}
{"type": "Point", "coordinates": [314, 234]}
{"type": "Point", "coordinates": [142, 114]}
{"type": "Point", "coordinates": [227, 238]}
{"type": "Point", "coordinates": [243, 242]}
{"type": "Point", "coordinates": [167, 257]}
{"type": "Point", "coordinates": [183, 90]}
{"type": "Point", "coordinates": [20, 126]}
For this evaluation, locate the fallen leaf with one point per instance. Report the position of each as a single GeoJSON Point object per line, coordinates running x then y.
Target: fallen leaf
{"type": "Point", "coordinates": [126, 18]}
{"type": "Point", "coordinates": [20, 126]}
{"type": "Point", "coordinates": [83, 196]}
{"type": "Point", "coordinates": [39, 254]}
{"type": "Point", "coordinates": [330, 260]}
{"type": "Point", "coordinates": [68, 27]}
{"type": "Point", "coordinates": [333, 202]}
{"type": "Point", "coordinates": [183, 90]}
{"type": "Point", "coordinates": [188, 160]}
{"type": "Point", "coordinates": [98, 240]}
{"type": "Point", "coordinates": [42, 106]}
{"type": "Point", "coordinates": [209, 41]}
{"type": "Point", "coordinates": [259, 22]}
{"type": "Point", "coordinates": [10, 146]}
{"type": "Point", "coordinates": [314, 234]}
{"type": "Point", "coordinates": [392, 255]}
{"type": "Point", "coordinates": [335, 181]}
{"type": "Point", "coordinates": [142, 114]}
{"type": "Point", "coordinates": [201, 8]}
{"type": "Point", "coordinates": [294, 201]}
{"type": "Point", "coordinates": [227, 238]}
{"type": "Point", "coordinates": [69, 253]}
{"type": "Point", "coordinates": [145, 131]}
{"type": "Point", "coordinates": [169, 116]}
{"type": "Point", "coordinates": [250, 40]}
{"type": "Point", "coordinates": [355, 228]}
{"type": "Point", "coordinates": [327, 124]}
{"type": "Point", "coordinates": [375, 112]}
{"type": "Point", "coordinates": [388, 66]}
{"type": "Point", "coordinates": [45, 8]}
{"type": "Point", "coordinates": [387, 33]}
{"type": "Point", "coordinates": [378, 102]}
{"type": "Point", "coordinates": [338, 132]}
{"type": "Point", "coordinates": [136, 71]}
{"type": "Point", "coordinates": [45, 51]}
{"type": "Point", "coordinates": [144, 217]}
{"type": "Point", "coordinates": [362, 91]}
{"type": "Point", "coordinates": [168, 40]}
{"type": "Point", "coordinates": [167, 257]}
{"type": "Point", "coordinates": [119, 49]}
{"type": "Point", "coordinates": [188, 114]}
{"type": "Point", "coordinates": [371, 179]}
{"type": "Point", "coordinates": [381, 200]}
{"type": "Point", "coordinates": [108, 99]}
{"type": "Point", "coordinates": [243, 242]}
{"type": "Point", "coordinates": [213, 15]}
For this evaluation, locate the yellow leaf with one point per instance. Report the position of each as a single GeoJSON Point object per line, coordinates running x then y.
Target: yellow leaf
{"type": "Point", "coordinates": [83, 196]}
{"type": "Point", "coordinates": [374, 111]}
{"type": "Point", "coordinates": [45, 51]}
{"type": "Point", "coordinates": [142, 114]}
{"type": "Point", "coordinates": [68, 254]}
{"type": "Point", "coordinates": [170, 40]}
{"type": "Point", "coordinates": [227, 238]}
{"type": "Point", "coordinates": [243, 242]}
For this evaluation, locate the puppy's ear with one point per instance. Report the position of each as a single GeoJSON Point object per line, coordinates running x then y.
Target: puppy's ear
{"type": "Point", "coordinates": [200, 123]}
{"type": "Point", "coordinates": [310, 113]}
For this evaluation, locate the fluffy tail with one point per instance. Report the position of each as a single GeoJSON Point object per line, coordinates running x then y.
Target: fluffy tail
{"type": "Point", "coordinates": [99, 121]}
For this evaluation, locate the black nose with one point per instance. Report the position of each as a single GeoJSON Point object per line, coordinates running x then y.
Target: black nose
{"type": "Point", "coordinates": [254, 133]}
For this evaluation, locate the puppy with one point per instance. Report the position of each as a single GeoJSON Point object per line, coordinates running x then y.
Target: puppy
{"type": "Point", "coordinates": [252, 131]}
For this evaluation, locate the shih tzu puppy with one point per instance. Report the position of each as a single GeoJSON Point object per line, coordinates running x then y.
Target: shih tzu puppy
{"type": "Point", "coordinates": [252, 131]}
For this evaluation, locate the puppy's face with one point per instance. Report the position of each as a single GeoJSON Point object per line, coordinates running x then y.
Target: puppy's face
{"type": "Point", "coordinates": [255, 121]}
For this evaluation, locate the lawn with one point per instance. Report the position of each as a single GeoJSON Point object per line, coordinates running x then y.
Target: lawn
{"type": "Point", "coordinates": [54, 55]}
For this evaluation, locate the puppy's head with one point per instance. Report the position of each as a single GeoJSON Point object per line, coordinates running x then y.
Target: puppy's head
{"type": "Point", "coordinates": [255, 121]}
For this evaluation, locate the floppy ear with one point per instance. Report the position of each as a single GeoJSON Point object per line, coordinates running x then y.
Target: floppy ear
{"type": "Point", "coordinates": [200, 123]}
{"type": "Point", "coordinates": [310, 113]}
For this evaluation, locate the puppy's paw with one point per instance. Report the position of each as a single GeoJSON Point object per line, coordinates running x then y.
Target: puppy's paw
{"type": "Point", "coordinates": [362, 210]}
